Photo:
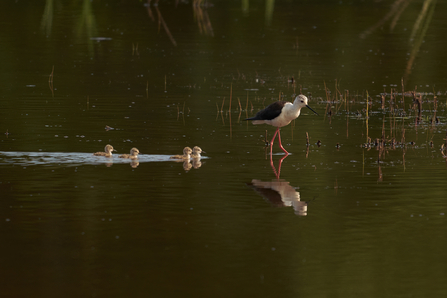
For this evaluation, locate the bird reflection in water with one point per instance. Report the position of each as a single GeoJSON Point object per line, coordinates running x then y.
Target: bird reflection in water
{"type": "Point", "coordinates": [281, 194]}
{"type": "Point", "coordinates": [188, 165]}
{"type": "Point", "coordinates": [196, 163]}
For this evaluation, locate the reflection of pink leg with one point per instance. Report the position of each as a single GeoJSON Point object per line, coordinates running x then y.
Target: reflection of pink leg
{"type": "Point", "coordinates": [279, 166]}
{"type": "Point", "coordinates": [280, 145]}
{"type": "Point", "coordinates": [271, 142]}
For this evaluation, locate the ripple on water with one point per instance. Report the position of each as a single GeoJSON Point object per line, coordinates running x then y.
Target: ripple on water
{"type": "Point", "coordinates": [71, 158]}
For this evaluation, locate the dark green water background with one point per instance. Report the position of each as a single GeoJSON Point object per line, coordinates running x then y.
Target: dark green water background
{"type": "Point", "coordinates": [159, 75]}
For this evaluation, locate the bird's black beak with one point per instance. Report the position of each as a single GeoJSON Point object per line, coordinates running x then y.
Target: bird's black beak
{"type": "Point", "coordinates": [312, 110]}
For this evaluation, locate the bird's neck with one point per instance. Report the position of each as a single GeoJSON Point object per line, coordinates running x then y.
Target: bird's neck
{"type": "Point", "coordinates": [293, 109]}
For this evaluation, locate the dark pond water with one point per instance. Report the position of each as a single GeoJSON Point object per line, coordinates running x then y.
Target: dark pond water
{"type": "Point", "coordinates": [344, 216]}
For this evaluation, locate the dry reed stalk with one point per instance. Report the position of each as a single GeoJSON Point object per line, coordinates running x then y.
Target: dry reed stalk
{"type": "Point", "coordinates": [165, 26]}
{"type": "Point", "coordinates": [336, 91]}
{"type": "Point", "coordinates": [435, 108]}
{"type": "Point", "coordinates": [50, 81]}
{"type": "Point", "coordinates": [265, 139]}
{"type": "Point", "coordinates": [367, 114]}
{"type": "Point", "coordinates": [217, 115]}
{"type": "Point", "coordinates": [380, 179]}
{"type": "Point", "coordinates": [231, 128]}
{"type": "Point", "coordinates": [346, 101]}
{"type": "Point", "coordinates": [223, 101]}
{"type": "Point", "coordinates": [403, 93]}
{"type": "Point", "coordinates": [246, 109]}
{"type": "Point", "coordinates": [231, 95]}
{"type": "Point", "coordinates": [363, 162]}
{"type": "Point", "coordinates": [326, 91]}
{"type": "Point", "coordinates": [183, 112]}
{"type": "Point", "coordinates": [135, 49]}
{"type": "Point", "coordinates": [419, 104]}
{"type": "Point", "coordinates": [403, 158]}
{"type": "Point", "coordinates": [307, 139]}
{"type": "Point", "coordinates": [347, 126]}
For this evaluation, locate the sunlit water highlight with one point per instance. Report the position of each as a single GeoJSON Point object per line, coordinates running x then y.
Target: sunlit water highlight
{"type": "Point", "coordinates": [73, 158]}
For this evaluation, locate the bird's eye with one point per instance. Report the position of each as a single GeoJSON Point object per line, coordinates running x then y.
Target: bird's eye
{"type": "Point", "coordinates": [302, 101]}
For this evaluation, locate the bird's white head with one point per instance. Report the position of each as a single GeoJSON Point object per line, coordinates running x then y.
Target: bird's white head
{"type": "Point", "coordinates": [301, 102]}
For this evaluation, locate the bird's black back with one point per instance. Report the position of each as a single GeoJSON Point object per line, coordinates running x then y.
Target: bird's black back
{"type": "Point", "coordinates": [270, 112]}
{"type": "Point", "coordinates": [269, 195]}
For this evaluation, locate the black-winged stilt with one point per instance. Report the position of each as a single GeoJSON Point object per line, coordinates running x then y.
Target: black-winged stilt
{"type": "Point", "coordinates": [133, 154]}
{"type": "Point", "coordinates": [107, 151]}
{"type": "Point", "coordinates": [279, 114]}
{"type": "Point", "coordinates": [186, 154]}
{"type": "Point", "coordinates": [196, 152]}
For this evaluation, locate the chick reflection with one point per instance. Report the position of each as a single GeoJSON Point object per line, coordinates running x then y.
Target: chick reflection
{"type": "Point", "coordinates": [281, 194]}
{"type": "Point", "coordinates": [187, 165]}
{"type": "Point", "coordinates": [196, 163]}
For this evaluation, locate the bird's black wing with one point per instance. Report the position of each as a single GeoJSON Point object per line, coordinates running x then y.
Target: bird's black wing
{"type": "Point", "coordinates": [268, 194]}
{"type": "Point", "coordinates": [270, 112]}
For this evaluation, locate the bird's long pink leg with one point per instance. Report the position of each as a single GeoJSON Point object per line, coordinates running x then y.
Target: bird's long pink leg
{"type": "Point", "coordinates": [280, 145]}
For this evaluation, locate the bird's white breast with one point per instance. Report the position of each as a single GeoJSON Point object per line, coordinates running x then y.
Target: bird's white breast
{"type": "Point", "coordinates": [288, 113]}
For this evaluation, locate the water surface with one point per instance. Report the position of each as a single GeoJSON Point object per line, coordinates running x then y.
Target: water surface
{"type": "Point", "coordinates": [163, 78]}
